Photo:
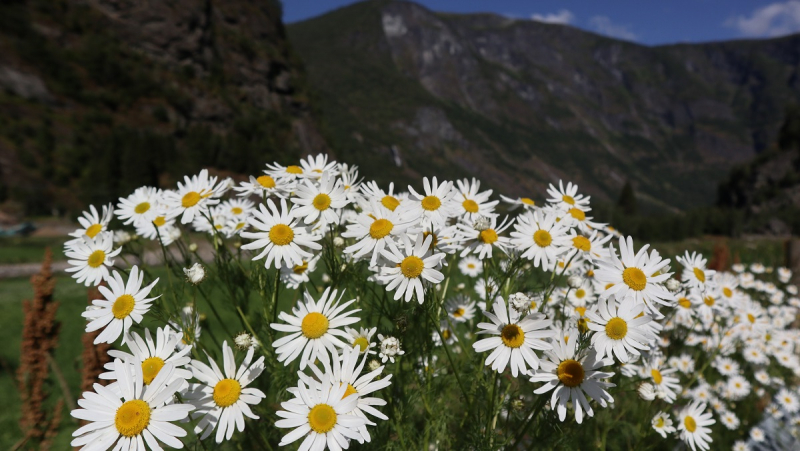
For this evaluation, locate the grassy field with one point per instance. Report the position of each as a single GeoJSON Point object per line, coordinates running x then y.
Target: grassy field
{"type": "Point", "coordinates": [29, 249]}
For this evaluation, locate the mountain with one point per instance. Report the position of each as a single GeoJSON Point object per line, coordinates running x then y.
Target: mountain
{"type": "Point", "coordinates": [521, 104]}
{"type": "Point", "coordinates": [97, 98]}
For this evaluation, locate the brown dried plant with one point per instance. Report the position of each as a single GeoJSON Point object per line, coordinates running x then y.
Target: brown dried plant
{"type": "Point", "coordinates": [39, 337]}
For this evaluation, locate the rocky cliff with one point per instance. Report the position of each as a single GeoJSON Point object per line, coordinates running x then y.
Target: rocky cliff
{"type": "Point", "coordinates": [521, 103]}
{"type": "Point", "coordinates": [98, 97]}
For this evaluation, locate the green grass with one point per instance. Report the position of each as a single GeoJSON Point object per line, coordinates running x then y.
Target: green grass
{"type": "Point", "coordinates": [30, 249]}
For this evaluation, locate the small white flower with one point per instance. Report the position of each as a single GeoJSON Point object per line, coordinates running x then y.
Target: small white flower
{"type": "Point", "coordinates": [673, 285]}
{"type": "Point", "coordinates": [647, 391]}
{"type": "Point", "coordinates": [244, 341]}
{"type": "Point", "coordinates": [519, 302]}
{"type": "Point", "coordinates": [574, 281]}
{"type": "Point", "coordinates": [389, 349]}
{"type": "Point", "coordinates": [195, 274]}
{"type": "Point", "coordinates": [662, 424]}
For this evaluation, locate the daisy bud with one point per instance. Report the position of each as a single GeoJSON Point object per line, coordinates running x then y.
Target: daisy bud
{"type": "Point", "coordinates": [338, 241]}
{"type": "Point", "coordinates": [647, 391]}
{"type": "Point", "coordinates": [519, 302]}
{"type": "Point", "coordinates": [326, 278]}
{"type": "Point", "coordinates": [517, 404]}
{"type": "Point", "coordinates": [195, 274]}
{"type": "Point", "coordinates": [389, 348]}
{"type": "Point", "coordinates": [193, 247]}
{"type": "Point", "coordinates": [374, 365]}
{"type": "Point", "coordinates": [481, 223]}
{"type": "Point", "coordinates": [460, 286]}
{"type": "Point", "coordinates": [344, 266]}
{"type": "Point", "coordinates": [574, 281]}
{"type": "Point", "coordinates": [122, 237]}
{"type": "Point", "coordinates": [243, 341]}
{"type": "Point", "coordinates": [673, 285]}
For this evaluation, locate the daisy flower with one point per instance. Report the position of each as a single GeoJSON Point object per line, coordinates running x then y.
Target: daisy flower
{"type": "Point", "coordinates": [286, 174]}
{"type": "Point", "coordinates": [320, 413]}
{"type": "Point", "coordinates": [295, 275]}
{"type": "Point", "coordinates": [389, 348]}
{"type": "Point", "coordinates": [123, 305]}
{"type": "Point", "coordinates": [662, 424]}
{"type": "Point", "coordinates": [525, 202]}
{"type": "Point", "coordinates": [619, 330]}
{"type": "Point", "coordinates": [387, 199]}
{"type": "Point", "coordinates": [92, 223]}
{"type": "Point", "coordinates": [315, 167]}
{"type": "Point", "coordinates": [633, 276]}
{"type": "Point", "coordinates": [362, 339]}
{"type": "Point", "coordinates": [693, 426]}
{"type": "Point", "coordinates": [186, 327]}
{"type": "Point", "coordinates": [729, 420]}
{"type": "Point", "coordinates": [460, 308]}
{"type": "Point", "coordinates": [319, 201]}
{"type": "Point", "coordinates": [513, 339]}
{"type": "Point", "coordinates": [577, 218]}
{"type": "Point", "coordinates": [667, 386]}
{"type": "Point", "coordinates": [152, 356]}
{"type": "Point", "coordinates": [788, 400]}
{"type": "Point", "coordinates": [374, 228]}
{"type": "Point", "coordinates": [314, 329]}
{"type": "Point", "coordinates": [588, 247]}
{"type": "Point", "coordinates": [539, 237]}
{"type": "Point", "coordinates": [160, 226]}
{"type": "Point", "coordinates": [222, 397]}
{"type": "Point", "coordinates": [567, 198]}
{"type": "Point", "coordinates": [470, 266]}
{"type": "Point", "coordinates": [194, 197]}
{"type": "Point", "coordinates": [139, 418]}
{"type": "Point", "coordinates": [483, 240]}
{"type": "Point", "coordinates": [695, 272]}
{"type": "Point", "coordinates": [436, 205]}
{"type": "Point", "coordinates": [350, 182]}
{"type": "Point", "coordinates": [407, 268]}
{"type": "Point", "coordinates": [264, 186]}
{"type": "Point", "coordinates": [472, 203]}
{"type": "Point", "coordinates": [90, 257]}
{"type": "Point", "coordinates": [572, 377]}
{"type": "Point", "coordinates": [139, 207]}
{"type": "Point", "coordinates": [279, 236]}
{"type": "Point", "coordinates": [757, 434]}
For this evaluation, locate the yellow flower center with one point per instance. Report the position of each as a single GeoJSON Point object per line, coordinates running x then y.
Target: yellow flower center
{"type": "Point", "coordinates": [431, 203]}
{"type": "Point", "coordinates": [300, 269]}
{"type": "Point", "coordinates": [380, 228]}
{"type": "Point", "coordinates": [488, 236]}
{"type": "Point", "coordinates": [93, 230]}
{"type": "Point", "coordinates": [512, 336]}
{"type": "Point", "coordinates": [123, 306]}
{"type": "Point", "coordinates": [577, 214]}
{"type": "Point", "coordinates": [150, 368]}
{"type": "Point", "coordinates": [690, 424]}
{"type": "Point", "coordinates": [685, 303]}
{"type": "Point", "coordinates": [580, 293]}
{"type": "Point", "coordinates": [266, 181]}
{"type": "Point", "coordinates": [322, 418]}
{"type": "Point", "coordinates": [470, 206]}
{"type": "Point", "coordinates": [314, 325]}
{"type": "Point", "coordinates": [583, 325]}
{"type": "Point", "coordinates": [582, 243]}
{"type": "Point", "coordinates": [349, 391]}
{"type": "Point", "coordinates": [390, 202]}
{"type": "Point", "coordinates": [96, 258]}
{"type": "Point", "coordinates": [141, 208]}
{"type": "Point", "coordinates": [701, 276]}
{"type": "Point", "coordinates": [616, 328]}
{"type": "Point", "coordinates": [412, 267]}
{"type": "Point", "coordinates": [362, 343]}
{"type": "Point", "coordinates": [542, 238]}
{"type": "Point", "coordinates": [568, 199]}
{"type": "Point", "coordinates": [227, 392]}
{"type": "Point", "coordinates": [132, 418]}
{"type": "Point", "coordinates": [581, 311]}
{"type": "Point", "coordinates": [709, 301]}
{"type": "Point", "coordinates": [751, 318]}
{"type": "Point", "coordinates": [727, 292]}
{"type": "Point", "coordinates": [458, 313]}
{"type": "Point", "coordinates": [570, 373]}
{"type": "Point", "coordinates": [656, 376]}
{"type": "Point", "coordinates": [160, 221]}
{"type": "Point", "coordinates": [634, 278]}
{"type": "Point", "coordinates": [294, 169]}
{"type": "Point", "coordinates": [281, 234]}
{"type": "Point", "coordinates": [660, 422]}
{"type": "Point", "coordinates": [190, 199]}
{"type": "Point", "coordinates": [321, 201]}
{"type": "Point", "coordinates": [237, 210]}
{"type": "Point", "coordinates": [527, 201]}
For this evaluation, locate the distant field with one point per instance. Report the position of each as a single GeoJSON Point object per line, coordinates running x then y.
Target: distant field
{"type": "Point", "coordinates": [29, 249]}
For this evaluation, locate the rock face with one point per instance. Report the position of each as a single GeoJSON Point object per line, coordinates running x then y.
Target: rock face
{"type": "Point", "coordinates": [99, 97]}
{"type": "Point", "coordinates": [522, 104]}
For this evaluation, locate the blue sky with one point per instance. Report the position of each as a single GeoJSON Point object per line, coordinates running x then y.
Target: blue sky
{"type": "Point", "coordinates": [645, 21]}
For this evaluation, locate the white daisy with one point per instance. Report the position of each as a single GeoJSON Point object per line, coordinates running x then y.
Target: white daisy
{"type": "Point", "coordinates": [482, 241]}
{"type": "Point", "coordinates": [566, 198]}
{"type": "Point", "coordinates": [436, 205]}
{"type": "Point", "coordinates": [788, 400]}
{"type": "Point", "coordinates": [374, 228]}
{"type": "Point", "coordinates": [695, 273]}
{"type": "Point", "coordinates": [572, 377]}
{"type": "Point", "coordinates": [729, 420]}
{"type": "Point", "coordinates": [124, 304]}
{"type": "Point", "coordinates": [139, 207]}
{"type": "Point", "coordinates": [470, 266]}
{"type": "Point", "coordinates": [667, 386]}
{"type": "Point", "coordinates": [279, 236]}
{"type": "Point", "coordinates": [321, 201]}
{"type": "Point", "coordinates": [139, 418]}
{"type": "Point", "coordinates": [320, 414]}
{"type": "Point", "coordinates": [314, 167]}
{"type": "Point", "coordinates": [471, 202]}
{"type": "Point", "coordinates": [295, 275]}
{"type": "Point", "coordinates": [693, 426]}
{"type": "Point", "coordinates": [187, 327]}
{"type": "Point", "coordinates": [460, 308]}
{"type": "Point", "coordinates": [194, 197]}
{"type": "Point", "coordinates": [387, 199]}
{"type": "Point", "coordinates": [90, 257]}
{"type": "Point", "coordinates": [362, 339]}
{"type": "Point", "coordinates": [619, 329]}
{"type": "Point", "coordinates": [223, 398]}
{"type": "Point", "coordinates": [408, 267]}
{"type": "Point", "coordinates": [525, 202]}
{"type": "Point", "coordinates": [539, 237]}
{"type": "Point", "coordinates": [588, 247]}
{"type": "Point", "coordinates": [92, 223]}
{"type": "Point", "coordinates": [513, 339]}
{"type": "Point", "coordinates": [264, 186]}
{"type": "Point", "coordinates": [662, 424]}
{"type": "Point", "coordinates": [314, 329]}
{"type": "Point", "coordinates": [161, 227]}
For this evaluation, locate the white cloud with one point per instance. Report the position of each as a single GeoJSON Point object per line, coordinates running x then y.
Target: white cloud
{"type": "Point", "coordinates": [563, 17]}
{"type": "Point", "coordinates": [775, 19]}
{"type": "Point", "coordinates": [603, 25]}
